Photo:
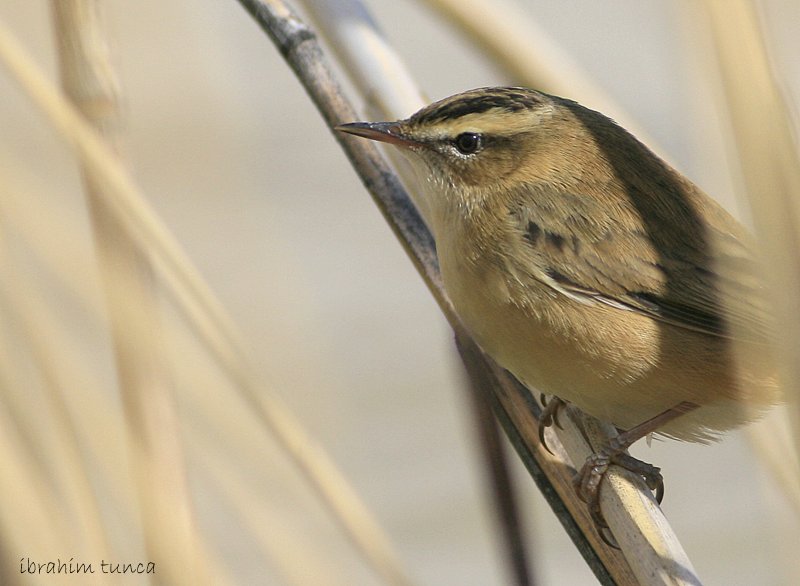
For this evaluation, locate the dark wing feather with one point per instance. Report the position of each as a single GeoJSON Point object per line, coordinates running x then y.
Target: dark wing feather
{"type": "Point", "coordinates": [691, 273]}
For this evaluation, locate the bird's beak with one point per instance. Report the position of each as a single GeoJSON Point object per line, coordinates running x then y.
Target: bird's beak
{"type": "Point", "coordinates": [382, 131]}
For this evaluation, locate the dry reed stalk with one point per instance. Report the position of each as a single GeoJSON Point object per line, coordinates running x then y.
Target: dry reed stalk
{"type": "Point", "coordinates": [665, 561]}
{"type": "Point", "coordinates": [773, 441]}
{"type": "Point", "coordinates": [770, 166]}
{"type": "Point", "coordinates": [380, 75]}
{"type": "Point", "coordinates": [287, 548]}
{"type": "Point", "coordinates": [53, 495]}
{"type": "Point", "coordinates": [375, 68]}
{"type": "Point", "coordinates": [132, 301]}
{"type": "Point", "coordinates": [60, 446]}
{"type": "Point", "coordinates": [32, 519]}
{"type": "Point", "coordinates": [513, 542]}
{"type": "Point", "coordinates": [204, 314]}
{"type": "Point", "coordinates": [47, 497]}
{"type": "Point", "coordinates": [85, 417]}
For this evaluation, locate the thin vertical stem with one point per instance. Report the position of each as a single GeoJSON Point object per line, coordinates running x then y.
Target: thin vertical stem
{"type": "Point", "coordinates": [132, 302]}
{"type": "Point", "coordinates": [496, 462]}
{"type": "Point", "coordinates": [770, 165]}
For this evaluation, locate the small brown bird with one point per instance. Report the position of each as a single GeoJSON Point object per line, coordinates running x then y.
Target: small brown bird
{"type": "Point", "coordinates": [587, 266]}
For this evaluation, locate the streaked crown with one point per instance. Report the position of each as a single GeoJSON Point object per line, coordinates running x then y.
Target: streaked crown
{"type": "Point", "coordinates": [497, 101]}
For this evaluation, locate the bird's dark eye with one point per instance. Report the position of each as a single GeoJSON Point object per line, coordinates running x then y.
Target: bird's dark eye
{"type": "Point", "coordinates": [468, 143]}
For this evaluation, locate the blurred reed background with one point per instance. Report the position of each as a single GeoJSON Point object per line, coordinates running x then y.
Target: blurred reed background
{"type": "Point", "coordinates": [330, 313]}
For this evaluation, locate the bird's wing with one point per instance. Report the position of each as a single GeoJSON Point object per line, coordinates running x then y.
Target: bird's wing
{"type": "Point", "coordinates": [698, 275]}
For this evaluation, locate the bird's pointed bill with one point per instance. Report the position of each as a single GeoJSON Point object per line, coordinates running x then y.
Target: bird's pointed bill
{"type": "Point", "coordinates": [381, 131]}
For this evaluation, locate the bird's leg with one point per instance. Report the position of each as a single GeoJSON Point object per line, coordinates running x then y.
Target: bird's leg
{"type": "Point", "coordinates": [549, 416]}
{"type": "Point", "coordinates": [587, 481]}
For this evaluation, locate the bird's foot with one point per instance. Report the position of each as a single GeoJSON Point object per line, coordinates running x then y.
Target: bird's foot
{"type": "Point", "coordinates": [587, 483]}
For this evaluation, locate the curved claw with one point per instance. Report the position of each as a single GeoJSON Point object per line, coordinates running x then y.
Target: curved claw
{"type": "Point", "coordinates": [659, 490]}
{"type": "Point", "coordinates": [548, 416]}
{"type": "Point", "coordinates": [608, 538]}
{"type": "Point", "coordinates": [542, 440]}
{"type": "Point", "coordinates": [651, 474]}
{"type": "Point", "coordinates": [552, 408]}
